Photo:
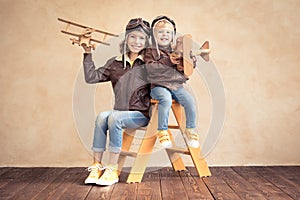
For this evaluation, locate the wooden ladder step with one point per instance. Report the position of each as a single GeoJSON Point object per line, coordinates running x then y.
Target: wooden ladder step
{"type": "Point", "coordinates": [128, 153]}
{"type": "Point", "coordinates": [173, 126]}
{"type": "Point", "coordinates": [179, 150]}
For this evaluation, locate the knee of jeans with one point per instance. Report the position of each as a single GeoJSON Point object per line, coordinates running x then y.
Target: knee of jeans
{"type": "Point", "coordinates": [166, 101]}
{"type": "Point", "coordinates": [101, 119]}
{"type": "Point", "coordinates": [113, 120]}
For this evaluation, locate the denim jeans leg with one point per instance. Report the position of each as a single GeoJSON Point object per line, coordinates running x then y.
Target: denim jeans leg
{"type": "Point", "coordinates": [117, 121]}
{"type": "Point", "coordinates": [187, 100]}
{"type": "Point", "coordinates": [164, 97]}
{"type": "Point", "coordinates": [100, 132]}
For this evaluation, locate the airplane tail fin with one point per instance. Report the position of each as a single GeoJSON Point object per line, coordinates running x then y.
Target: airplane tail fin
{"type": "Point", "coordinates": [205, 51]}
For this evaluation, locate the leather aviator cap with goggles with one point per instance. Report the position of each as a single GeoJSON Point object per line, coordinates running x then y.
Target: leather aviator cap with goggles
{"type": "Point", "coordinates": [138, 22]}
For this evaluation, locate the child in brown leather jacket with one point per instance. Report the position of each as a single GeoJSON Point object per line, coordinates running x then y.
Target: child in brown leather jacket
{"type": "Point", "coordinates": [165, 73]}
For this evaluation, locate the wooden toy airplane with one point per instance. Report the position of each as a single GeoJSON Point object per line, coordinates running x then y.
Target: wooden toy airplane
{"type": "Point", "coordinates": [184, 46]}
{"type": "Point", "coordinates": [86, 36]}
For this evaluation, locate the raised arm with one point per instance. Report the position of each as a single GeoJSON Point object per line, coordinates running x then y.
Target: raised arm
{"type": "Point", "coordinates": [93, 75]}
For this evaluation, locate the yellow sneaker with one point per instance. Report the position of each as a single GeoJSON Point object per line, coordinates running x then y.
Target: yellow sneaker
{"type": "Point", "coordinates": [110, 176]}
{"type": "Point", "coordinates": [164, 138]}
{"type": "Point", "coordinates": [96, 170]}
{"type": "Point", "coordinates": [192, 137]}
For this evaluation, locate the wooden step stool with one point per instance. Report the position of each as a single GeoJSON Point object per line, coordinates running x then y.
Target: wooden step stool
{"type": "Point", "coordinates": [148, 142]}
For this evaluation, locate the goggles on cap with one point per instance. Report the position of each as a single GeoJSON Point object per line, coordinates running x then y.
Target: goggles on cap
{"type": "Point", "coordinates": [134, 23]}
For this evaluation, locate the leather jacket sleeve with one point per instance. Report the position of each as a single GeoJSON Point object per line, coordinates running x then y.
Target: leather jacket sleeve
{"type": "Point", "coordinates": [93, 75]}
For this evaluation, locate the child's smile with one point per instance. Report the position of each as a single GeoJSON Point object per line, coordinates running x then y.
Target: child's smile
{"type": "Point", "coordinates": [163, 36]}
{"type": "Point", "coordinates": [136, 41]}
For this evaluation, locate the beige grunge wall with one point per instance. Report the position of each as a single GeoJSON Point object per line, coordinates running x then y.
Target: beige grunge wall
{"type": "Point", "coordinates": [255, 48]}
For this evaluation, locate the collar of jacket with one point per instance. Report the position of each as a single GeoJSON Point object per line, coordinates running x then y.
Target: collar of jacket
{"type": "Point", "coordinates": [119, 58]}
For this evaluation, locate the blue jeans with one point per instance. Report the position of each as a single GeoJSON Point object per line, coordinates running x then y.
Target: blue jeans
{"type": "Point", "coordinates": [182, 96]}
{"type": "Point", "coordinates": [114, 121]}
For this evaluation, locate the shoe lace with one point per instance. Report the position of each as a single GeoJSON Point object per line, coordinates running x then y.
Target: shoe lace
{"type": "Point", "coordinates": [94, 169]}
{"type": "Point", "coordinates": [192, 135]}
{"type": "Point", "coordinates": [108, 171]}
{"type": "Point", "coordinates": [163, 136]}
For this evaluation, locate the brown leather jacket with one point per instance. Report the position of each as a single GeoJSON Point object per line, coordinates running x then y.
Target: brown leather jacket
{"type": "Point", "coordinates": [161, 71]}
{"type": "Point", "coordinates": [130, 86]}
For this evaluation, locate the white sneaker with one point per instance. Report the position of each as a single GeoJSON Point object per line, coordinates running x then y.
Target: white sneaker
{"type": "Point", "coordinates": [96, 170]}
{"type": "Point", "coordinates": [164, 139]}
{"type": "Point", "coordinates": [192, 138]}
{"type": "Point", "coordinates": [110, 176]}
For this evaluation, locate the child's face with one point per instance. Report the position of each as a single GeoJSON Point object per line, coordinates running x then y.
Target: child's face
{"type": "Point", "coordinates": [163, 36]}
{"type": "Point", "coordinates": [136, 41]}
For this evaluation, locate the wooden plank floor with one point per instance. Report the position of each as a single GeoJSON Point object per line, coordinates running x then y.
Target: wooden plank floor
{"type": "Point", "coordinates": [226, 183]}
